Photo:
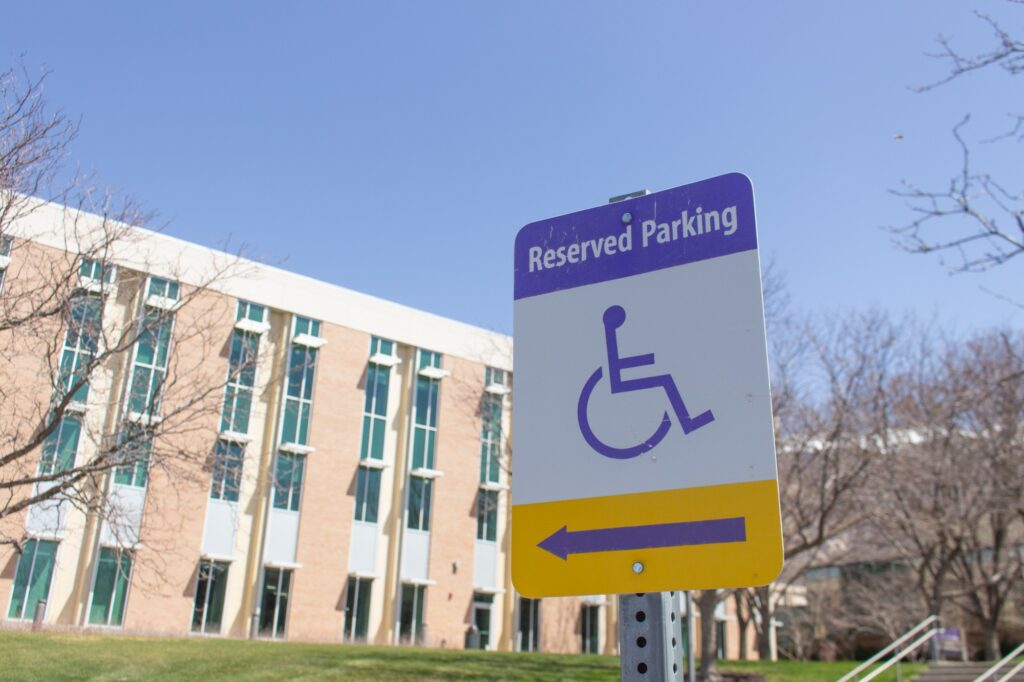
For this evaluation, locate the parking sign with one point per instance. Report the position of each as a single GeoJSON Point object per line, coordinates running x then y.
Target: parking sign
{"type": "Point", "coordinates": [643, 449]}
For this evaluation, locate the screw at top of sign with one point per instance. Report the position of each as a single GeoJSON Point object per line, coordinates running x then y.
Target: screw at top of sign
{"type": "Point", "coordinates": [627, 218]}
{"type": "Point", "coordinates": [638, 567]}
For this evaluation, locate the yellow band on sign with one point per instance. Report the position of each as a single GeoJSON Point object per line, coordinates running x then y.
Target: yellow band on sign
{"type": "Point", "coordinates": [686, 539]}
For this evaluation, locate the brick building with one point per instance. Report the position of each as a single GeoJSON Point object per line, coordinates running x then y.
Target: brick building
{"type": "Point", "coordinates": [354, 483]}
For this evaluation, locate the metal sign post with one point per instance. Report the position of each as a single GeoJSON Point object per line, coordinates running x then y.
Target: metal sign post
{"type": "Point", "coordinates": [650, 637]}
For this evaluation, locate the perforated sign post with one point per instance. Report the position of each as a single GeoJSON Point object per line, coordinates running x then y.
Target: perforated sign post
{"type": "Point", "coordinates": [644, 455]}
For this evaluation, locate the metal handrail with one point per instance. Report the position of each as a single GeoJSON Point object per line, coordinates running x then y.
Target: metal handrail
{"type": "Point", "coordinates": [1000, 663]}
{"type": "Point", "coordinates": [1016, 669]}
{"type": "Point", "coordinates": [895, 643]}
{"type": "Point", "coordinates": [899, 657]}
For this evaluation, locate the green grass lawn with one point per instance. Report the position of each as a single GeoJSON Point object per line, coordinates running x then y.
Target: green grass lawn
{"type": "Point", "coordinates": [48, 656]}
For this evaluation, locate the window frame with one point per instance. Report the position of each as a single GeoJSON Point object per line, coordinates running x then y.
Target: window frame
{"type": "Point", "coordinates": [305, 391]}
{"type": "Point", "coordinates": [49, 459]}
{"type": "Point", "coordinates": [152, 402]}
{"type": "Point", "coordinates": [284, 585]}
{"type": "Point", "coordinates": [366, 505]}
{"type": "Point", "coordinates": [293, 496]}
{"type": "Point", "coordinates": [25, 613]}
{"type": "Point", "coordinates": [419, 598]}
{"type": "Point", "coordinates": [119, 556]}
{"type": "Point", "coordinates": [226, 470]}
{"type": "Point", "coordinates": [358, 595]}
{"type": "Point", "coordinates": [79, 347]}
{"type": "Point", "coordinates": [241, 380]}
{"type": "Point", "coordinates": [216, 575]}
{"type": "Point", "coordinates": [487, 515]}
{"type": "Point", "coordinates": [532, 612]}
{"type": "Point", "coordinates": [424, 499]}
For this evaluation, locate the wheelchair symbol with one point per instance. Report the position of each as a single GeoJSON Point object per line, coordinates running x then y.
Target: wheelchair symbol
{"type": "Point", "coordinates": [615, 317]}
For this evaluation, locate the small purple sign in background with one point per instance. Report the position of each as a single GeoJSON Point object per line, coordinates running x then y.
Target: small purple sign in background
{"type": "Point", "coordinates": [686, 224]}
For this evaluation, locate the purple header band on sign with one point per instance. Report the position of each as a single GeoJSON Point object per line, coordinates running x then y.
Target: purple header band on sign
{"type": "Point", "coordinates": [686, 224]}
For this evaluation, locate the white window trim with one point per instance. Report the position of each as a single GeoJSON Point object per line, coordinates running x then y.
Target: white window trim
{"type": "Point", "coordinates": [5, 262]}
{"type": "Point", "coordinates": [434, 373]}
{"type": "Point", "coordinates": [494, 487]}
{"type": "Point", "coordinates": [418, 582]}
{"type": "Point", "coordinates": [252, 326]}
{"type": "Point", "coordinates": [373, 464]}
{"type": "Point", "coordinates": [163, 303]}
{"type": "Point", "coordinates": [75, 407]}
{"type": "Point", "coordinates": [289, 565]}
{"type": "Point", "coordinates": [363, 576]}
{"type": "Point", "coordinates": [217, 557]}
{"type": "Point", "coordinates": [143, 419]}
{"type": "Point", "coordinates": [497, 389]}
{"type": "Point", "coordinates": [296, 449]}
{"type": "Point", "coordinates": [309, 340]}
{"type": "Point", "coordinates": [235, 437]}
{"type": "Point", "coordinates": [423, 472]}
{"type": "Point", "coordinates": [489, 590]}
{"type": "Point", "coordinates": [48, 536]}
{"type": "Point", "coordinates": [385, 360]}
{"type": "Point", "coordinates": [91, 285]}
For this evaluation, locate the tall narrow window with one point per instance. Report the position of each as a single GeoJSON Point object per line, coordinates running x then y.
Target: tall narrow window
{"type": "Point", "coordinates": [529, 624]}
{"type": "Point", "coordinates": [299, 389]}
{"type": "Point", "coordinates": [424, 439]}
{"type": "Point", "coordinates": [288, 481]}
{"type": "Point", "coordinates": [410, 625]}
{"type": "Point", "coordinates": [357, 608]}
{"type": "Point", "coordinates": [227, 471]}
{"type": "Point", "coordinates": [80, 343]}
{"type": "Point", "coordinates": [61, 446]}
{"type": "Point", "coordinates": [32, 580]}
{"type": "Point", "coordinates": [134, 451]}
{"type": "Point", "coordinates": [418, 513]}
{"type": "Point", "coordinates": [487, 515]}
{"type": "Point", "coordinates": [367, 494]}
{"type": "Point", "coordinates": [149, 368]}
{"type": "Point", "coordinates": [110, 588]}
{"type": "Point", "coordinates": [241, 379]}
{"type": "Point", "coordinates": [590, 628]}
{"type": "Point", "coordinates": [482, 604]}
{"type": "Point", "coordinates": [425, 412]}
{"type": "Point", "coordinates": [274, 604]}
{"type": "Point", "coordinates": [490, 439]}
{"type": "Point", "coordinates": [375, 409]}
{"type": "Point", "coordinates": [211, 584]}
{"type": "Point", "coordinates": [375, 406]}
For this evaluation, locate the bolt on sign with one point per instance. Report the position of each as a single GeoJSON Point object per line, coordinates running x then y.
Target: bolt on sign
{"type": "Point", "coordinates": [644, 455]}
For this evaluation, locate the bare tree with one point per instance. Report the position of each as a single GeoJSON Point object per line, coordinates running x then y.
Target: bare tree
{"type": "Point", "coordinates": [977, 219]}
{"type": "Point", "coordinates": [831, 413]}
{"type": "Point", "coordinates": [991, 564]}
{"type": "Point", "coordinates": [89, 388]}
{"type": "Point", "coordinates": [949, 502]}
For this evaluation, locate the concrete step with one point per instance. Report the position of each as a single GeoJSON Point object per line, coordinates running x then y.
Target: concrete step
{"type": "Point", "coordinates": [948, 671]}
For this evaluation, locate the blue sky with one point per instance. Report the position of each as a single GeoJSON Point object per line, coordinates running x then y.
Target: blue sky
{"type": "Point", "coordinates": [396, 148]}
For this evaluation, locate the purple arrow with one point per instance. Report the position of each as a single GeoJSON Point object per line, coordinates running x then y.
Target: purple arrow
{"type": "Point", "coordinates": [564, 542]}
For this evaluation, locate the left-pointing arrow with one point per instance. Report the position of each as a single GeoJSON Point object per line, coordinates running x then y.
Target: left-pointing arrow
{"type": "Point", "coordinates": [564, 542]}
